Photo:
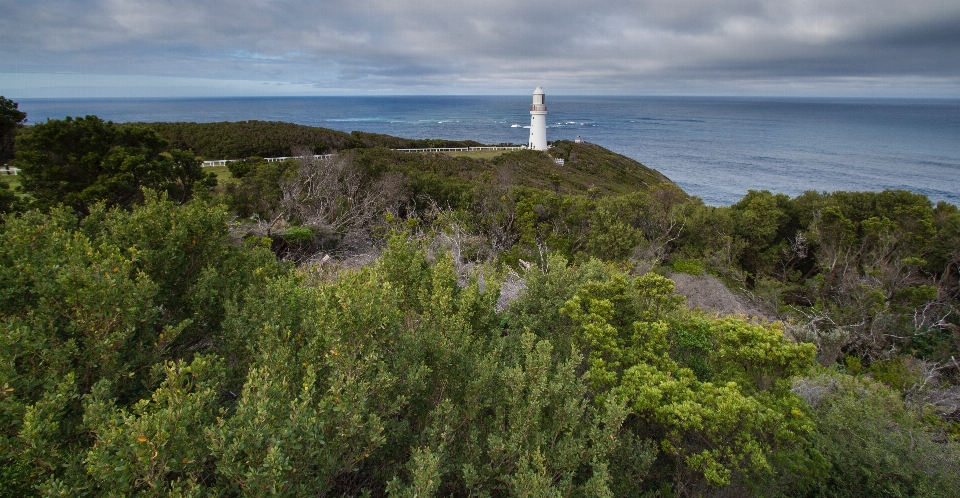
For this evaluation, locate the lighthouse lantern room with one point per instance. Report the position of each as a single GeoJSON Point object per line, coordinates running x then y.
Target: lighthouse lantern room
{"type": "Point", "coordinates": [538, 121]}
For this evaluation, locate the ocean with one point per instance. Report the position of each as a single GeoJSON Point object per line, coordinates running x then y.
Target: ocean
{"type": "Point", "coordinates": [716, 148]}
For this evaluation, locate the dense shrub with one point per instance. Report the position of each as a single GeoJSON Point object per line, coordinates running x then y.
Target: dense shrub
{"type": "Point", "coordinates": [143, 351]}
{"type": "Point", "coordinates": [874, 443]}
{"type": "Point", "coordinates": [82, 161]}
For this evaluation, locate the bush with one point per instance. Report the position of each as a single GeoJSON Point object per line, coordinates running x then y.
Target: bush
{"type": "Point", "coordinates": [82, 161]}
{"type": "Point", "coordinates": [874, 444]}
{"type": "Point", "coordinates": [689, 266]}
{"type": "Point", "coordinates": [91, 316]}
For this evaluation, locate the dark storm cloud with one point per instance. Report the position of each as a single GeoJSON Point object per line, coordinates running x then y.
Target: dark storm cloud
{"type": "Point", "coordinates": [603, 46]}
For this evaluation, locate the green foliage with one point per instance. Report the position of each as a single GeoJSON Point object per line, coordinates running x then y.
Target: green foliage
{"type": "Point", "coordinates": [392, 375]}
{"type": "Point", "coordinates": [145, 354]}
{"type": "Point", "coordinates": [367, 140]}
{"type": "Point", "coordinates": [298, 234]}
{"type": "Point", "coordinates": [8, 200]}
{"type": "Point", "coordinates": [142, 352]}
{"type": "Point", "coordinates": [186, 176]}
{"type": "Point", "coordinates": [611, 235]}
{"type": "Point", "coordinates": [692, 344]}
{"type": "Point", "coordinates": [87, 310]}
{"type": "Point", "coordinates": [242, 139]}
{"type": "Point", "coordinates": [874, 443]}
{"type": "Point", "coordinates": [691, 266]}
{"type": "Point", "coordinates": [240, 167]}
{"type": "Point", "coordinates": [717, 431]}
{"type": "Point", "coordinates": [711, 395]}
{"type": "Point", "coordinates": [442, 179]}
{"type": "Point", "coordinates": [587, 165]}
{"type": "Point", "coordinates": [764, 222]}
{"type": "Point", "coordinates": [538, 309]}
{"type": "Point", "coordinates": [157, 444]}
{"type": "Point", "coordinates": [853, 365]}
{"type": "Point", "coordinates": [258, 190]}
{"type": "Point", "coordinates": [73, 312]}
{"type": "Point", "coordinates": [186, 252]}
{"type": "Point", "coordinates": [898, 372]}
{"type": "Point", "coordinates": [82, 161]}
{"type": "Point", "coordinates": [235, 140]}
{"type": "Point", "coordinates": [11, 119]}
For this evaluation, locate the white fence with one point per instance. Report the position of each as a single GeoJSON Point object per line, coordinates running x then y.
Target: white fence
{"type": "Point", "coordinates": [223, 162]}
{"type": "Point", "coordinates": [7, 170]}
{"type": "Point", "coordinates": [463, 149]}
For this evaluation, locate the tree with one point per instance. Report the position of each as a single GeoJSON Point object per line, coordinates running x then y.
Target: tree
{"type": "Point", "coordinates": [10, 120]}
{"type": "Point", "coordinates": [8, 200]}
{"type": "Point", "coordinates": [82, 161]}
{"type": "Point", "coordinates": [186, 175]}
{"type": "Point", "coordinates": [338, 198]}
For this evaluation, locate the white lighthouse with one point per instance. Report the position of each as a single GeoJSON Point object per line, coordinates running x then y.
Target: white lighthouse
{"type": "Point", "coordinates": [538, 121]}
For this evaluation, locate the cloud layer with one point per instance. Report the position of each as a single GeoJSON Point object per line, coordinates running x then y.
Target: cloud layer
{"type": "Point", "coordinates": [458, 46]}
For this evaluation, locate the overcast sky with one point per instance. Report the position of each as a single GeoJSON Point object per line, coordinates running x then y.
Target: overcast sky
{"type": "Point", "coordinates": [76, 48]}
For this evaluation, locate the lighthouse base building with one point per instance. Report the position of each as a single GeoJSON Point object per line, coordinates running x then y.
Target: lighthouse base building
{"type": "Point", "coordinates": [538, 121]}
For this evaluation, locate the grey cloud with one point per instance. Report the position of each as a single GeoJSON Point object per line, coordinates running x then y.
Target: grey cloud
{"type": "Point", "coordinates": [936, 33]}
{"type": "Point", "coordinates": [599, 46]}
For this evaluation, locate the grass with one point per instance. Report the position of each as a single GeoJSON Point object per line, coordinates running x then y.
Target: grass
{"type": "Point", "coordinates": [478, 154]}
{"type": "Point", "coordinates": [223, 174]}
{"type": "Point", "coordinates": [12, 180]}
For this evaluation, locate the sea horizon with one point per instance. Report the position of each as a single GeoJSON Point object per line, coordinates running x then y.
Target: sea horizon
{"type": "Point", "coordinates": [714, 147]}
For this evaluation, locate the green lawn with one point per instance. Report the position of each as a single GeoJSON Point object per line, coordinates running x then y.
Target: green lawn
{"type": "Point", "coordinates": [223, 174]}
{"type": "Point", "coordinates": [478, 154]}
{"type": "Point", "coordinates": [12, 180]}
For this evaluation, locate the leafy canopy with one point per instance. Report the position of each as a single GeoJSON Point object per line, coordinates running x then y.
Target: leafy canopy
{"type": "Point", "coordinates": [11, 119]}
{"type": "Point", "coordinates": [82, 161]}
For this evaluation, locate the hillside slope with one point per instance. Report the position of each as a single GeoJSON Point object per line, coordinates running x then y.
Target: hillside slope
{"type": "Point", "coordinates": [592, 167]}
{"type": "Point", "coordinates": [241, 139]}
{"type": "Point", "coordinates": [586, 166]}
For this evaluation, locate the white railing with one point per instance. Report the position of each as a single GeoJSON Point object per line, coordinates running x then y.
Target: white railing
{"type": "Point", "coordinates": [7, 170]}
{"type": "Point", "coordinates": [223, 162]}
{"type": "Point", "coordinates": [464, 149]}
{"type": "Point", "coordinates": [280, 159]}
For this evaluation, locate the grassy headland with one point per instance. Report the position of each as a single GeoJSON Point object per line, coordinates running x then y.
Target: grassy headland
{"type": "Point", "coordinates": [586, 166]}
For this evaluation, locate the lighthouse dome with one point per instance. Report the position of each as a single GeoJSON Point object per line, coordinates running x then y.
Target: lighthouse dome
{"type": "Point", "coordinates": [539, 98]}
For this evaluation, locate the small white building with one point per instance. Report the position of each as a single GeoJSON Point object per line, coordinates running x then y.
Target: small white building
{"type": "Point", "coordinates": [538, 121]}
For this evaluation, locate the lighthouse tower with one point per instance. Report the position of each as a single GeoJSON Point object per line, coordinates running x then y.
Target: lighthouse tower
{"type": "Point", "coordinates": [538, 121]}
